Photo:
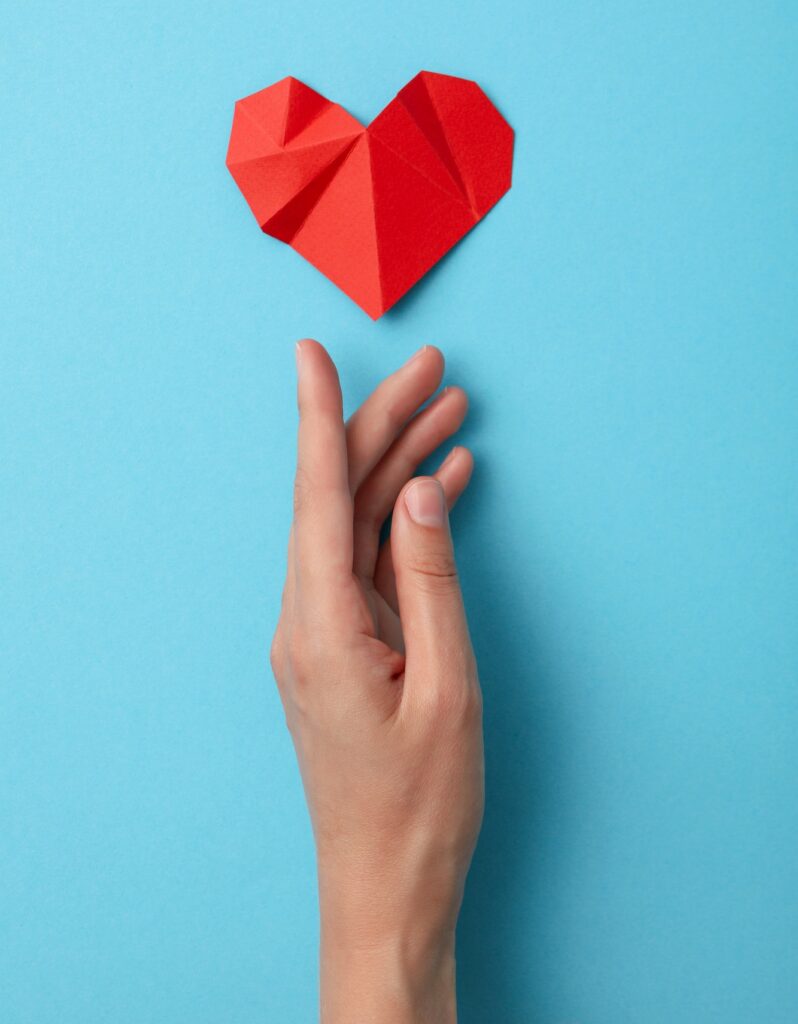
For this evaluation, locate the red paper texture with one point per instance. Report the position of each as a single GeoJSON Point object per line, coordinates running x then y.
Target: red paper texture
{"type": "Point", "coordinates": [372, 208]}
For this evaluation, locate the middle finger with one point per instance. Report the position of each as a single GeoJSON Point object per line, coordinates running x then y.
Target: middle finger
{"type": "Point", "coordinates": [373, 428]}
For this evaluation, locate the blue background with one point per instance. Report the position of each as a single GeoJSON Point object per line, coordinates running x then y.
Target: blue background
{"type": "Point", "coordinates": [625, 322]}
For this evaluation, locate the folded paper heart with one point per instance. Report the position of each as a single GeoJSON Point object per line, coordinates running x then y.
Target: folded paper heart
{"type": "Point", "coordinates": [372, 208]}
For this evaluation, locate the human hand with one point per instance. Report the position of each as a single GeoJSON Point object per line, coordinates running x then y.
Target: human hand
{"type": "Point", "coordinates": [377, 676]}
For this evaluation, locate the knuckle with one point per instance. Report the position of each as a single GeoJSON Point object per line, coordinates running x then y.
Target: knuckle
{"type": "Point", "coordinates": [393, 416]}
{"type": "Point", "coordinates": [311, 496]}
{"type": "Point", "coordinates": [277, 653]}
{"type": "Point", "coordinates": [436, 572]}
{"type": "Point", "coordinates": [300, 658]}
{"type": "Point", "coordinates": [453, 702]}
{"type": "Point", "coordinates": [301, 491]}
{"type": "Point", "coordinates": [451, 694]}
{"type": "Point", "coordinates": [309, 657]}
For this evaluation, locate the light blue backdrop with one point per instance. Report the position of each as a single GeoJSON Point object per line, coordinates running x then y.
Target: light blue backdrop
{"type": "Point", "coordinates": [625, 321]}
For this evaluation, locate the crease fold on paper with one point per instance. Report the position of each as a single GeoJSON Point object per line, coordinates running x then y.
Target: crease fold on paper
{"type": "Point", "coordinates": [373, 208]}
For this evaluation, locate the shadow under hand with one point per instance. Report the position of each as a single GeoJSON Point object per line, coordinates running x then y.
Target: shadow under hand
{"type": "Point", "coordinates": [500, 961]}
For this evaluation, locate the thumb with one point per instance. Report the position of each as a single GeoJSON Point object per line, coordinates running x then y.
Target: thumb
{"type": "Point", "coordinates": [427, 587]}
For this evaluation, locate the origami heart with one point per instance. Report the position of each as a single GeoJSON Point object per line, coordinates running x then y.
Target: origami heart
{"type": "Point", "coordinates": [372, 208]}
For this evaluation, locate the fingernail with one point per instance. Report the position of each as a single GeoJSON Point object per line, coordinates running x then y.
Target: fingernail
{"type": "Point", "coordinates": [417, 355]}
{"type": "Point", "coordinates": [298, 351]}
{"type": "Point", "coordinates": [449, 457]}
{"type": "Point", "coordinates": [424, 500]}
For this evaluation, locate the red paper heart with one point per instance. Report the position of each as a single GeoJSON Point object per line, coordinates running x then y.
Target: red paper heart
{"type": "Point", "coordinates": [372, 208]}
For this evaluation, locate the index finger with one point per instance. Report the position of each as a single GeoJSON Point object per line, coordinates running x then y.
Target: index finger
{"type": "Point", "coordinates": [322, 499]}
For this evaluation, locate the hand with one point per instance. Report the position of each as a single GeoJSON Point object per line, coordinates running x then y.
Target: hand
{"type": "Point", "coordinates": [377, 676]}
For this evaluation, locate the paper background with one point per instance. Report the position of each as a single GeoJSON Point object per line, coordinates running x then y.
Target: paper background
{"type": "Point", "coordinates": [625, 320]}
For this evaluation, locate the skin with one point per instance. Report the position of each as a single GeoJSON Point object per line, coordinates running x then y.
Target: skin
{"type": "Point", "coordinates": [377, 676]}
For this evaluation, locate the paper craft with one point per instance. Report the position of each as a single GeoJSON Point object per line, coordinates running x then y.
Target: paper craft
{"type": "Point", "coordinates": [372, 208]}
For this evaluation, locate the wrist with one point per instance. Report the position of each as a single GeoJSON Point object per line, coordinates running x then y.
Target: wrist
{"type": "Point", "coordinates": [402, 977]}
{"type": "Point", "coordinates": [388, 916]}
